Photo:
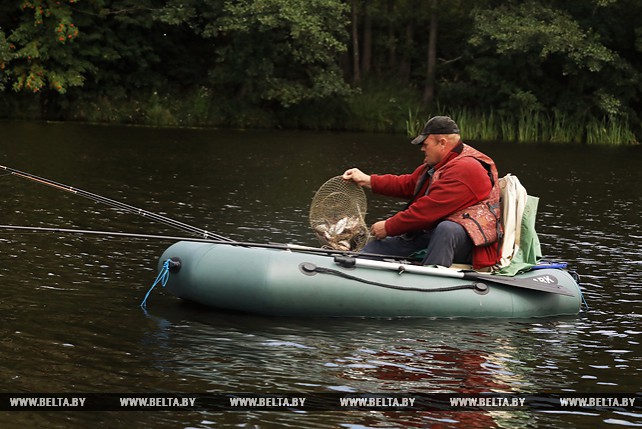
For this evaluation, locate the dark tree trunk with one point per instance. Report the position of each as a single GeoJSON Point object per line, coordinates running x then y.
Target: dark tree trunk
{"type": "Point", "coordinates": [356, 70]}
{"type": "Point", "coordinates": [392, 52]}
{"type": "Point", "coordinates": [429, 90]}
{"type": "Point", "coordinates": [405, 65]}
{"type": "Point", "coordinates": [366, 59]}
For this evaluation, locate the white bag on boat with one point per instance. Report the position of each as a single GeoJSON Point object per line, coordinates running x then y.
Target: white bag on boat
{"type": "Point", "coordinates": [513, 200]}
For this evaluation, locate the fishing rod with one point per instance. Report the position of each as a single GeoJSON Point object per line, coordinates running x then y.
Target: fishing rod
{"type": "Point", "coordinates": [117, 204]}
{"type": "Point", "coordinates": [204, 236]}
{"type": "Point", "coordinates": [290, 247]}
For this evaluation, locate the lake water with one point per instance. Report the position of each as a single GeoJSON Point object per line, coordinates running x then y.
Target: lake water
{"type": "Point", "coordinates": [69, 304]}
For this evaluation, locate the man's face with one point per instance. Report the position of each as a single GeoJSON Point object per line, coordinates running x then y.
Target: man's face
{"type": "Point", "coordinates": [433, 149]}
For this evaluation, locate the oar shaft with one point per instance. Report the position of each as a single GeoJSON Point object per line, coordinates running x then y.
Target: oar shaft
{"type": "Point", "coordinates": [535, 283]}
{"type": "Point", "coordinates": [116, 204]}
{"type": "Point", "coordinates": [416, 269]}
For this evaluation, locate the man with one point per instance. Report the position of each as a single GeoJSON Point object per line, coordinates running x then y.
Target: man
{"type": "Point", "coordinates": [453, 213]}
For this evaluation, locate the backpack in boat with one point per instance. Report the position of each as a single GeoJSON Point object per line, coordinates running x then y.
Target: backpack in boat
{"type": "Point", "coordinates": [519, 245]}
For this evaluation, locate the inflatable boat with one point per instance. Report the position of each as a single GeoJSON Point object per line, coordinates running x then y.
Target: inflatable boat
{"type": "Point", "coordinates": [310, 282]}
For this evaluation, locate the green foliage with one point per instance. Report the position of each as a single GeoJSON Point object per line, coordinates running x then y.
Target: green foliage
{"type": "Point", "coordinates": [532, 27]}
{"type": "Point", "coordinates": [42, 48]}
{"type": "Point", "coordinates": [554, 70]}
{"type": "Point", "coordinates": [271, 51]}
{"type": "Point", "coordinates": [304, 47]}
{"type": "Point", "coordinates": [5, 57]}
{"type": "Point", "coordinates": [381, 107]}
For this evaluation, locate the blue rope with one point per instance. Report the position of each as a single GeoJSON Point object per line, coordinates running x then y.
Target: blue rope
{"type": "Point", "coordinates": [576, 277]}
{"type": "Point", "coordinates": [162, 278]}
{"type": "Point", "coordinates": [586, 306]}
{"type": "Point", "coordinates": [555, 265]}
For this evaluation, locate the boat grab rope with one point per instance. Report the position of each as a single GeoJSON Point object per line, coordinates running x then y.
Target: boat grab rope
{"type": "Point", "coordinates": [311, 268]}
{"type": "Point", "coordinates": [576, 277]}
{"type": "Point", "coordinates": [162, 278]}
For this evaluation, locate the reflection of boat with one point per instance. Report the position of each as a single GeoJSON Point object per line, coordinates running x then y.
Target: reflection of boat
{"type": "Point", "coordinates": [282, 282]}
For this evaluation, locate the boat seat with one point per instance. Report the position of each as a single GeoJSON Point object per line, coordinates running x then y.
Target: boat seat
{"type": "Point", "coordinates": [470, 268]}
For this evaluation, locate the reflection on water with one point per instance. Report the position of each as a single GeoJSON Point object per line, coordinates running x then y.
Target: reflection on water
{"type": "Point", "coordinates": [71, 321]}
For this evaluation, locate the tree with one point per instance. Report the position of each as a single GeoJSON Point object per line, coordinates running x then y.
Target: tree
{"type": "Point", "coordinates": [281, 51]}
{"type": "Point", "coordinates": [533, 57]}
{"type": "Point", "coordinates": [429, 89]}
{"type": "Point", "coordinates": [356, 65]}
{"type": "Point", "coordinates": [580, 58]}
{"type": "Point", "coordinates": [40, 51]}
{"type": "Point", "coordinates": [366, 58]}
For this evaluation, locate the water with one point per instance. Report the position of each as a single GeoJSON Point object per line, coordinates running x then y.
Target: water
{"type": "Point", "coordinates": [69, 304]}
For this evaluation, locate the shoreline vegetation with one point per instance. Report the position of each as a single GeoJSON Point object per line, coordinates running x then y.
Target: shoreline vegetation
{"type": "Point", "coordinates": [379, 111]}
{"type": "Point", "coordinates": [567, 71]}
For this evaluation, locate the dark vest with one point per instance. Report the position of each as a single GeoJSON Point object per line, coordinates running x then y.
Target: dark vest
{"type": "Point", "coordinates": [482, 220]}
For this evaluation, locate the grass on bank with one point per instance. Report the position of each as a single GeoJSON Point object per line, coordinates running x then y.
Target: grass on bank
{"type": "Point", "coordinates": [376, 107]}
{"type": "Point", "coordinates": [555, 127]}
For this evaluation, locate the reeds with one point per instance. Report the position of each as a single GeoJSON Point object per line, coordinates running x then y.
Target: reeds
{"type": "Point", "coordinates": [609, 131]}
{"type": "Point", "coordinates": [414, 123]}
{"type": "Point", "coordinates": [533, 126]}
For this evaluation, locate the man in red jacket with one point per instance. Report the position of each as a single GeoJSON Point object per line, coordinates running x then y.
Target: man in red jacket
{"type": "Point", "coordinates": [453, 211]}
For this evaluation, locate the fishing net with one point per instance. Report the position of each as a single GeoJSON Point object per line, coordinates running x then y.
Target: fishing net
{"type": "Point", "coordinates": [337, 215]}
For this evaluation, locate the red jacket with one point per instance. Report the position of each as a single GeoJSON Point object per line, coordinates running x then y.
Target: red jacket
{"type": "Point", "coordinates": [463, 182]}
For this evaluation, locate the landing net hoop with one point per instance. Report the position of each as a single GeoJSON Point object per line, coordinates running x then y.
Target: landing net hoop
{"type": "Point", "coordinates": [337, 215]}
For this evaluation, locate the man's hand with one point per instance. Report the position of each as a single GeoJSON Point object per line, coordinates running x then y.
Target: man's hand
{"type": "Point", "coordinates": [357, 176]}
{"type": "Point", "coordinates": [378, 230]}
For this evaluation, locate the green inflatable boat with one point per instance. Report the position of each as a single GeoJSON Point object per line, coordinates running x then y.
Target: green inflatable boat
{"type": "Point", "coordinates": [306, 282]}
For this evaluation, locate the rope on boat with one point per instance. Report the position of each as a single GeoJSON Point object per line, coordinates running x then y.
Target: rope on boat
{"type": "Point", "coordinates": [576, 277]}
{"type": "Point", "coordinates": [162, 278]}
{"type": "Point", "coordinates": [480, 287]}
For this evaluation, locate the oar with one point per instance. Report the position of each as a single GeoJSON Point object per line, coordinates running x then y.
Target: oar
{"type": "Point", "coordinates": [116, 204]}
{"type": "Point", "coordinates": [542, 282]}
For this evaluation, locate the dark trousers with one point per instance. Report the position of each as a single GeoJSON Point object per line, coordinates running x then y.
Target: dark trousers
{"type": "Point", "coordinates": [448, 243]}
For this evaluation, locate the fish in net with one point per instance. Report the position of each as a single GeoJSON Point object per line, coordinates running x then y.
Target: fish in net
{"type": "Point", "coordinates": [337, 215]}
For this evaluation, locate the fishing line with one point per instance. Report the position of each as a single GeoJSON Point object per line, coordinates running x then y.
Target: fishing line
{"type": "Point", "coordinates": [38, 229]}
{"type": "Point", "coordinates": [204, 235]}
{"type": "Point", "coordinates": [277, 246]}
{"type": "Point", "coordinates": [117, 204]}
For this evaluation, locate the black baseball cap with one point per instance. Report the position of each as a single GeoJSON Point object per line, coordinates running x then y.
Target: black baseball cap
{"type": "Point", "coordinates": [436, 125]}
